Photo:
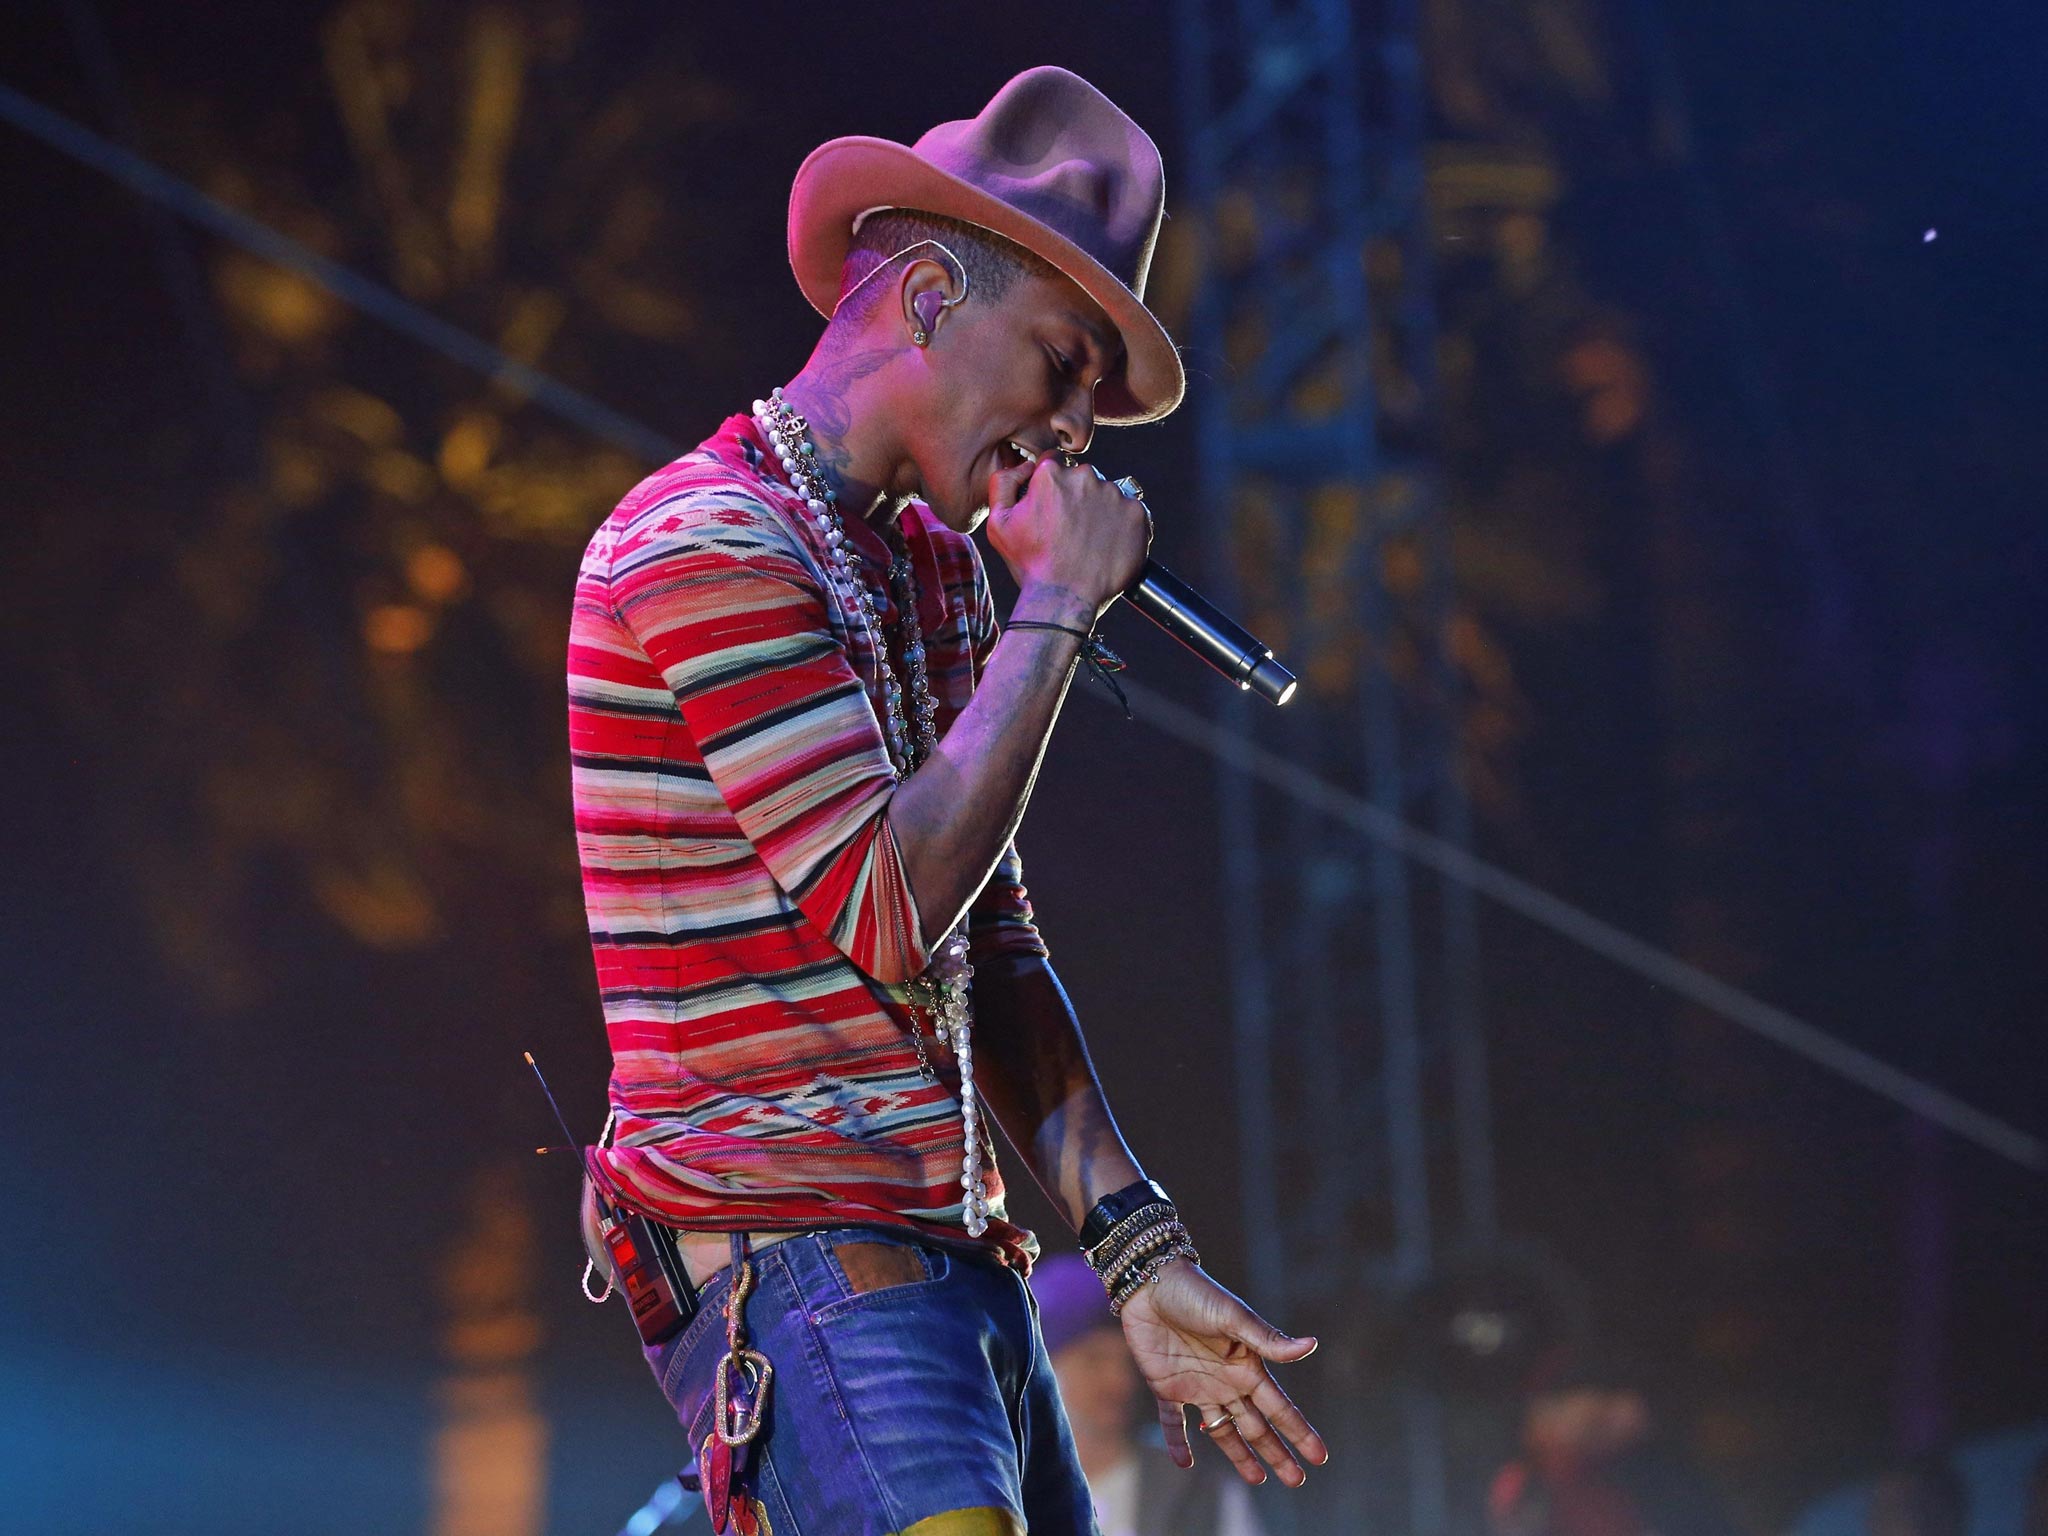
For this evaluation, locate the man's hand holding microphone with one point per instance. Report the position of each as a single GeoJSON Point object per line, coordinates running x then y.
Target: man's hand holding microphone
{"type": "Point", "coordinates": [1079, 502]}
{"type": "Point", "coordinates": [1073, 540]}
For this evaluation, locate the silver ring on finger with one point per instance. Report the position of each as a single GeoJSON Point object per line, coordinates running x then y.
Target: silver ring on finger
{"type": "Point", "coordinates": [1223, 1420]}
{"type": "Point", "coordinates": [1128, 484]}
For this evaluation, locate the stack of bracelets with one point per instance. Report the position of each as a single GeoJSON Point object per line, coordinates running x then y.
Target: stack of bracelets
{"type": "Point", "coordinates": [1130, 1237]}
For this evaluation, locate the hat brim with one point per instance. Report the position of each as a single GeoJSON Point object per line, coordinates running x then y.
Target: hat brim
{"type": "Point", "coordinates": [841, 180]}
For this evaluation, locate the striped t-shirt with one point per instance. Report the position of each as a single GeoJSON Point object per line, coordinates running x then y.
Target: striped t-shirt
{"type": "Point", "coordinates": [750, 918]}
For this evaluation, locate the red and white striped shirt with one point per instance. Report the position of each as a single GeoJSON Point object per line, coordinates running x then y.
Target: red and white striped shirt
{"type": "Point", "coordinates": [749, 915]}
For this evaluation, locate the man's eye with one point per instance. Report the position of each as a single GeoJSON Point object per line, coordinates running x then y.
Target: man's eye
{"type": "Point", "coordinates": [1061, 362]}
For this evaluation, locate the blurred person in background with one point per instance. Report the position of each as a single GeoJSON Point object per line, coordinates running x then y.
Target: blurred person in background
{"type": "Point", "coordinates": [1592, 1463]}
{"type": "Point", "coordinates": [1137, 1490]}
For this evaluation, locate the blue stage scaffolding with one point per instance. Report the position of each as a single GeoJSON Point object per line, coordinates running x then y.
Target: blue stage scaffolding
{"type": "Point", "coordinates": [1360, 1062]}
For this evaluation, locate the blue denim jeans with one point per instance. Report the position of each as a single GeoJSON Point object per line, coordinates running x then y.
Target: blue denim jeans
{"type": "Point", "coordinates": [889, 1405]}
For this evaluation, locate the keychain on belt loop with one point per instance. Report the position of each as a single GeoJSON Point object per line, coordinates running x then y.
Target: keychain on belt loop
{"type": "Point", "coordinates": [737, 1419]}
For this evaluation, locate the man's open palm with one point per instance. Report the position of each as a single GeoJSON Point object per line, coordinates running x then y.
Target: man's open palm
{"type": "Point", "coordinates": [1200, 1346]}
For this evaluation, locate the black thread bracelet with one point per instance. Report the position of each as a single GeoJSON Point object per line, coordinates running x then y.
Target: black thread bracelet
{"type": "Point", "coordinates": [1103, 663]}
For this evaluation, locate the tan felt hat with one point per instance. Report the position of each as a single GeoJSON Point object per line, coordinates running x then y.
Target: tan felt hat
{"type": "Point", "coordinates": [1050, 163]}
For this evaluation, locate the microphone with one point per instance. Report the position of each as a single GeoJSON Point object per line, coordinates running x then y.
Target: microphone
{"type": "Point", "coordinates": [1192, 619]}
{"type": "Point", "coordinates": [1195, 622]}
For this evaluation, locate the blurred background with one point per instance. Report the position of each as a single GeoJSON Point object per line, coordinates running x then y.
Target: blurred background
{"type": "Point", "coordinates": [1627, 415]}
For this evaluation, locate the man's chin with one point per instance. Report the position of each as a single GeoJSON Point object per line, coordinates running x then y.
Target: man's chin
{"type": "Point", "coordinates": [953, 518]}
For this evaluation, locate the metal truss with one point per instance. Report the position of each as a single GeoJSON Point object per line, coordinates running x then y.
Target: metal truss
{"type": "Point", "coordinates": [1360, 1065]}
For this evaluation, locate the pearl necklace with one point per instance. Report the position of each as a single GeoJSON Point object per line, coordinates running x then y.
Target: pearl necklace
{"type": "Point", "coordinates": [941, 990]}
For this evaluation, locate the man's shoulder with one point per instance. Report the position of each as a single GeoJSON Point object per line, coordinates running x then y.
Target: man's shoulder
{"type": "Point", "coordinates": [715, 496]}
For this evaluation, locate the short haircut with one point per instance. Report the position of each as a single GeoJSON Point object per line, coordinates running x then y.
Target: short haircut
{"type": "Point", "coordinates": [992, 261]}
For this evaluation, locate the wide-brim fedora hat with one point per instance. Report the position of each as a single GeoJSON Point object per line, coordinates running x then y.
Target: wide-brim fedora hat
{"type": "Point", "coordinates": [1050, 163]}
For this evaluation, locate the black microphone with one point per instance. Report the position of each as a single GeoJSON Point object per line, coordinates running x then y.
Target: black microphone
{"type": "Point", "coordinates": [1191, 619]}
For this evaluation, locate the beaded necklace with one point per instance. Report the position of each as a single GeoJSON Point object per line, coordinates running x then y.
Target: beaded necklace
{"type": "Point", "coordinates": [941, 990]}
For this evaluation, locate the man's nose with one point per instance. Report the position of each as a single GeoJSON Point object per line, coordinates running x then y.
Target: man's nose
{"type": "Point", "coordinates": [1073, 424]}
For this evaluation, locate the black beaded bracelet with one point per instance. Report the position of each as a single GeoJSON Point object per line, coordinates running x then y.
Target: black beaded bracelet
{"type": "Point", "coordinates": [1113, 1208]}
{"type": "Point", "coordinates": [1127, 1232]}
{"type": "Point", "coordinates": [1154, 1239]}
{"type": "Point", "coordinates": [1150, 1270]}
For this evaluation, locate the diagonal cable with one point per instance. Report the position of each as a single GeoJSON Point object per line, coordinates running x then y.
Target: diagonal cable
{"type": "Point", "coordinates": [372, 298]}
{"type": "Point", "coordinates": [1594, 933]}
{"type": "Point", "coordinates": [1236, 752]}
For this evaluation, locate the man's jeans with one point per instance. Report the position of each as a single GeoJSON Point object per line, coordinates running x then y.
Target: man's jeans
{"type": "Point", "coordinates": [889, 1405]}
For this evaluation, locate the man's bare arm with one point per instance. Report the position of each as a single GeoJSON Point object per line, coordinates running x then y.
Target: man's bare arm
{"type": "Point", "coordinates": [955, 815]}
{"type": "Point", "coordinates": [1033, 1069]}
{"type": "Point", "coordinates": [1193, 1341]}
{"type": "Point", "coordinates": [1073, 543]}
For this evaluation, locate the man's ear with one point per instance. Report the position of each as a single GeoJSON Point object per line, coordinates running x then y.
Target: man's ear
{"type": "Point", "coordinates": [925, 296]}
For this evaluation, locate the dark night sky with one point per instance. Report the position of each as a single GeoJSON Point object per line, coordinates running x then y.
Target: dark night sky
{"type": "Point", "coordinates": [225, 1224]}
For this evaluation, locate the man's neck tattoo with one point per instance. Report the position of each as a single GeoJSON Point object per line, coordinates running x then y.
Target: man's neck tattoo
{"type": "Point", "coordinates": [822, 393]}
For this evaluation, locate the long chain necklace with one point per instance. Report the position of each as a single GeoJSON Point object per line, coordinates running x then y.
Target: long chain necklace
{"type": "Point", "coordinates": [941, 989]}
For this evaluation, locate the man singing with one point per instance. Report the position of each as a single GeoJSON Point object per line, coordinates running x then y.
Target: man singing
{"type": "Point", "coordinates": [801, 747]}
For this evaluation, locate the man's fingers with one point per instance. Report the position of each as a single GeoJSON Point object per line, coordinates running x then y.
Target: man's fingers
{"type": "Point", "coordinates": [1006, 486]}
{"type": "Point", "coordinates": [1270, 1342]}
{"type": "Point", "coordinates": [1232, 1445]}
{"type": "Point", "coordinates": [1173, 1420]}
{"type": "Point", "coordinates": [1279, 1410]}
{"type": "Point", "coordinates": [1259, 1435]}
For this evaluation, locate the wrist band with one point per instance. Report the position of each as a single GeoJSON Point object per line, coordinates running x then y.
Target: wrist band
{"type": "Point", "coordinates": [1141, 1252]}
{"type": "Point", "coordinates": [1119, 1205]}
{"type": "Point", "coordinates": [1127, 1234]}
{"type": "Point", "coordinates": [1130, 1237]}
{"type": "Point", "coordinates": [1180, 1248]}
{"type": "Point", "coordinates": [1065, 629]}
{"type": "Point", "coordinates": [1103, 663]}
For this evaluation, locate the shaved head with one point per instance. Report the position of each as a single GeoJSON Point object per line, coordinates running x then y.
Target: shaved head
{"type": "Point", "coordinates": [993, 264]}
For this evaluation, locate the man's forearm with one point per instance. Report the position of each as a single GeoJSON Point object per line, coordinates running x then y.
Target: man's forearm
{"type": "Point", "coordinates": [1032, 1068]}
{"type": "Point", "coordinates": [955, 815]}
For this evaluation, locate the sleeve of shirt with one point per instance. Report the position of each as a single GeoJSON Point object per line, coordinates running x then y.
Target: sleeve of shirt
{"type": "Point", "coordinates": [1000, 921]}
{"type": "Point", "coordinates": [719, 595]}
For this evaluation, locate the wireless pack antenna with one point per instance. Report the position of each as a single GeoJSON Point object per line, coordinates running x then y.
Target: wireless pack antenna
{"type": "Point", "coordinates": [568, 1137]}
